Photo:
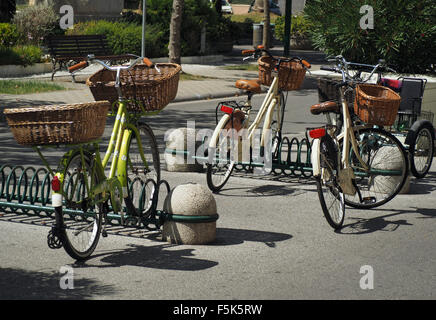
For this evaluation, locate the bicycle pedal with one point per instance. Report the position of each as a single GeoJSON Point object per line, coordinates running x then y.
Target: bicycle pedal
{"type": "Point", "coordinates": [369, 200]}
{"type": "Point", "coordinates": [104, 234]}
{"type": "Point", "coordinates": [53, 239]}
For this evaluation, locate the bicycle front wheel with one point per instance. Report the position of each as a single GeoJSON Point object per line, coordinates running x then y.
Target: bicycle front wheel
{"type": "Point", "coordinates": [387, 171]}
{"type": "Point", "coordinates": [143, 170]}
{"type": "Point", "coordinates": [218, 172]}
{"type": "Point", "coordinates": [82, 223]}
{"type": "Point", "coordinates": [221, 167]}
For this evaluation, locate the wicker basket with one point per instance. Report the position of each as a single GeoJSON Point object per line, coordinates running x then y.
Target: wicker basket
{"type": "Point", "coordinates": [291, 74]}
{"type": "Point", "coordinates": [328, 91]}
{"type": "Point", "coordinates": [148, 87]}
{"type": "Point", "coordinates": [375, 104]}
{"type": "Point", "coordinates": [58, 124]}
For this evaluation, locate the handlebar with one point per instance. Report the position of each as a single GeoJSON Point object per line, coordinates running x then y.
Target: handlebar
{"type": "Point", "coordinates": [91, 59]}
{"type": "Point", "coordinates": [342, 66]}
{"type": "Point", "coordinates": [255, 53]}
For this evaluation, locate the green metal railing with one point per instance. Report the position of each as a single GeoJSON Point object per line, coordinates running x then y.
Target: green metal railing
{"type": "Point", "coordinates": [292, 158]}
{"type": "Point", "coordinates": [27, 190]}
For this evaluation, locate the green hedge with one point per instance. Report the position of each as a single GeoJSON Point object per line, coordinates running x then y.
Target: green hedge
{"type": "Point", "coordinates": [404, 32]}
{"type": "Point", "coordinates": [124, 37]}
{"type": "Point", "coordinates": [20, 55]}
{"type": "Point", "coordinates": [8, 34]}
{"type": "Point", "coordinates": [300, 27]}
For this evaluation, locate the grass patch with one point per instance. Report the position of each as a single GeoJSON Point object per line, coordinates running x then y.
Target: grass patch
{"type": "Point", "coordinates": [246, 67]}
{"type": "Point", "coordinates": [187, 76]}
{"type": "Point", "coordinates": [24, 87]}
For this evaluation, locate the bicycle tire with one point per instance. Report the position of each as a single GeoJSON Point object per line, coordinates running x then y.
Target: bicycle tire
{"type": "Point", "coordinates": [218, 172]}
{"type": "Point", "coordinates": [74, 242]}
{"type": "Point", "coordinates": [140, 192]}
{"type": "Point", "coordinates": [421, 149]}
{"type": "Point", "coordinates": [330, 193]}
{"type": "Point", "coordinates": [277, 125]}
{"type": "Point", "coordinates": [388, 168]}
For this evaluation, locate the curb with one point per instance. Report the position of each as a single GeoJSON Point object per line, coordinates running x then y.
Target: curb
{"type": "Point", "coordinates": [13, 71]}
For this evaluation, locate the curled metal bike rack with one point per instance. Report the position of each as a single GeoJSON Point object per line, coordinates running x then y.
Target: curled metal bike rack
{"type": "Point", "coordinates": [27, 190]}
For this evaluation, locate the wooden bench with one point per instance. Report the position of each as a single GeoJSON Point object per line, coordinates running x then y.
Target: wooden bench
{"type": "Point", "coordinates": [69, 50]}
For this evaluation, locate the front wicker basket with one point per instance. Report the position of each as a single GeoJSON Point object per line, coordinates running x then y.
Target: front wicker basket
{"type": "Point", "coordinates": [149, 89]}
{"type": "Point", "coordinates": [291, 74]}
{"type": "Point", "coordinates": [375, 104]}
{"type": "Point", "coordinates": [58, 124]}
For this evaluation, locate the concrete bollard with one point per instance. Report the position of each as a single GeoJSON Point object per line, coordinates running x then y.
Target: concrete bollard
{"type": "Point", "coordinates": [177, 140]}
{"type": "Point", "coordinates": [190, 201]}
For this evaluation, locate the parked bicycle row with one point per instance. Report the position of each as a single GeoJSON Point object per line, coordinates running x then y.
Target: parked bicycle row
{"type": "Point", "coordinates": [356, 158]}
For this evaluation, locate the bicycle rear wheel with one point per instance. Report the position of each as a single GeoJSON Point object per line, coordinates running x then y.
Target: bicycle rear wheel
{"type": "Point", "coordinates": [82, 223]}
{"type": "Point", "coordinates": [141, 171]}
{"type": "Point", "coordinates": [388, 168]}
{"type": "Point", "coordinates": [421, 149]}
{"type": "Point", "coordinates": [330, 193]}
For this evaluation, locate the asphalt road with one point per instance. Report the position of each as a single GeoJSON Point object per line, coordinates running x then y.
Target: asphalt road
{"type": "Point", "coordinates": [272, 240]}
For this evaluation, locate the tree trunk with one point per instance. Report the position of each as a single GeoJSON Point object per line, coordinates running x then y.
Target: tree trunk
{"type": "Point", "coordinates": [7, 10]}
{"type": "Point", "coordinates": [266, 25]}
{"type": "Point", "coordinates": [218, 7]}
{"type": "Point", "coordinates": [174, 46]}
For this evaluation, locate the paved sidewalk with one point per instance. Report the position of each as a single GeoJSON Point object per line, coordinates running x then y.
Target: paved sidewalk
{"type": "Point", "coordinates": [218, 82]}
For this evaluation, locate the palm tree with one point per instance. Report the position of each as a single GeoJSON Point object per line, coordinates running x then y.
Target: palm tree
{"type": "Point", "coordinates": [174, 46]}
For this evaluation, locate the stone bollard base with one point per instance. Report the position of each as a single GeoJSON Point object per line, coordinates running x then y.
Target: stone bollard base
{"type": "Point", "coordinates": [196, 210]}
{"type": "Point", "coordinates": [177, 140]}
{"type": "Point", "coordinates": [189, 233]}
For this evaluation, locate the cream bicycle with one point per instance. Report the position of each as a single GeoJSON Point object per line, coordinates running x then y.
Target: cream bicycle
{"type": "Point", "coordinates": [226, 147]}
{"type": "Point", "coordinates": [357, 163]}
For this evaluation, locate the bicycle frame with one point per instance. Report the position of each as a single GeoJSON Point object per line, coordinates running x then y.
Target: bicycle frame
{"type": "Point", "coordinates": [266, 111]}
{"type": "Point", "coordinates": [116, 184]}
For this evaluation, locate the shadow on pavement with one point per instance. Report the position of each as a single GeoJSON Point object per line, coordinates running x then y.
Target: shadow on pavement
{"type": "Point", "coordinates": [425, 185]}
{"type": "Point", "coordinates": [365, 225]}
{"type": "Point", "coordinates": [228, 236]}
{"type": "Point", "coordinates": [18, 284]}
{"type": "Point", "coordinates": [155, 257]}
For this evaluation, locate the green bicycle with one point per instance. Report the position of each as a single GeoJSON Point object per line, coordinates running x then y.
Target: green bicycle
{"type": "Point", "coordinates": [85, 183]}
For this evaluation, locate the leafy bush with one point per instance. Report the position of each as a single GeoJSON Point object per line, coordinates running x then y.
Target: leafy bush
{"type": "Point", "coordinates": [20, 55]}
{"type": "Point", "coordinates": [124, 37]}
{"type": "Point", "coordinates": [36, 22]}
{"type": "Point", "coordinates": [404, 32]}
{"type": "Point", "coordinates": [300, 27]}
{"type": "Point", "coordinates": [8, 34]}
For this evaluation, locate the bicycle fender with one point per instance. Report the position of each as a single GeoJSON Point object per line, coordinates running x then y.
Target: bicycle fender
{"type": "Point", "coordinates": [218, 128]}
{"type": "Point", "coordinates": [410, 138]}
{"type": "Point", "coordinates": [315, 157]}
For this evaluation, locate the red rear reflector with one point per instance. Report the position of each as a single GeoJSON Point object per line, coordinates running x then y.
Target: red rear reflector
{"type": "Point", "coordinates": [55, 184]}
{"type": "Point", "coordinates": [317, 133]}
{"type": "Point", "coordinates": [227, 109]}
